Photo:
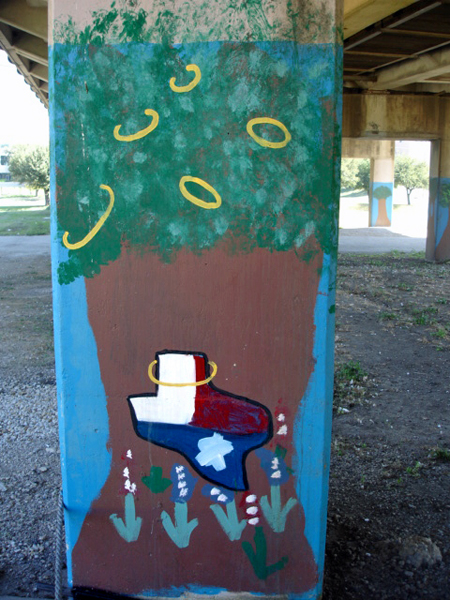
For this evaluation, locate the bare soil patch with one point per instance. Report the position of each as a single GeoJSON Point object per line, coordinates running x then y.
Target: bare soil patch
{"type": "Point", "coordinates": [389, 505]}
{"type": "Point", "coordinates": [389, 508]}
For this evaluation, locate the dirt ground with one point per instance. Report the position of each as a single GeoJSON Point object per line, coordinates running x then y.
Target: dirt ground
{"type": "Point", "coordinates": [389, 506]}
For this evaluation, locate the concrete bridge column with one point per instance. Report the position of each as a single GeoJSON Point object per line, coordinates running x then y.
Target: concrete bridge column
{"type": "Point", "coordinates": [195, 148]}
{"type": "Point", "coordinates": [438, 237]}
{"type": "Point", "coordinates": [382, 185]}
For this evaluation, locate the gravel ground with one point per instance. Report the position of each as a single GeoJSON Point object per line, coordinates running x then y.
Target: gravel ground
{"type": "Point", "coordinates": [29, 485]}
{"type": "Point", "coordinates": [30, 472]}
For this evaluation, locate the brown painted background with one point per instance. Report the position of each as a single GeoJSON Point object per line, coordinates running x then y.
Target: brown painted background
{"type": "Point", "coordinates": [254, 311]}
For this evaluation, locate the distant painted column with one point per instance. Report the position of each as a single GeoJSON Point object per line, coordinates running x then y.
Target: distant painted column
{"type": "Point", "coordinates": [438, 236]}
{"type": "Point", "coordinates": [382, 185]}
{"type": "Point", "coordinates": [195, 159]}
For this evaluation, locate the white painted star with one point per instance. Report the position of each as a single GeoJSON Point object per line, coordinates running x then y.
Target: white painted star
{"type": "Point", "coordinates": [212, 452]}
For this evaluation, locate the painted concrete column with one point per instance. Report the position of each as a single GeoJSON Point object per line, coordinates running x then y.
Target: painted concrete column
{"type": "Point", "coordinates": [438, 236]}
{"type": "Point", "coordinates": [382, 186]}
{"type": "Point", "coordinates": [195, 151]}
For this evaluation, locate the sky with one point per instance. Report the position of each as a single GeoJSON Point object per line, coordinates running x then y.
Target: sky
{"type": "Point", "coordinates": [23, 117]}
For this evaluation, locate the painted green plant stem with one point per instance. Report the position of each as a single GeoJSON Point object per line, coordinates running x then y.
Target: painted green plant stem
{"type": "Point", "coordinates": [180, 532]}
{"type": "Point", "coordinates": [229, 521]}
{"type": "Point", "coordinates": [274, 512]}
{"type": "Point", "coordinates": [258, 556]}
{"type": "Point", "coordinates": [130, 529]}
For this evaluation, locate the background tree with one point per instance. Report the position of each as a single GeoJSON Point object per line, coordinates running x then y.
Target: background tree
{"type": "Point", "coordinates": [355, 174]}
{"type": "Point", "coordinates": [363, 175]}
{"type": "Point", "coordinates": [349, 174]}
{"type": "Point", "coordinates": [410, 173]}
{"type": "Point", "coordinates": [30, 165]}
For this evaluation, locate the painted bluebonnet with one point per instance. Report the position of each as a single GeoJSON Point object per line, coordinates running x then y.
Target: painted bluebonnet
{"type": "Point", "coordinates": [274, 466]}
{"type": "Point", "coordinates": [277, 473]}
{"type": "Point", "coordinates": [183, 484]}
{"type": "Point", "coordinates": [181, 528]}
{"type": "Point", "coordinates": [227, 517]}
{"type": "Point", "coordinates": [216, 494]}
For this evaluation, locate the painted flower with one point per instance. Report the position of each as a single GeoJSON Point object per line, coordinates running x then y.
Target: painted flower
{"type": "Point", "coordinates": [274, 466]}
{"type": "Point", "coordinates": [217, 494]}
{"type": "Point", "coordinates": [183, 484]}
{"type": "Point", "coordinates": [129, 486]}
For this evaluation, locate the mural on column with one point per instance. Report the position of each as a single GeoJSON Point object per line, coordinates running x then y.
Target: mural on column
{"type": "Point", "coordinates": [438, 231]}
{"type": "Point", "coordinates": [442, 226]}
{"type": "Point", "coordinates": [381, 206]}
{"type": "Point", "coordinates": [194, 243]}
{"type": "Point", "coordinates": [212, 429]}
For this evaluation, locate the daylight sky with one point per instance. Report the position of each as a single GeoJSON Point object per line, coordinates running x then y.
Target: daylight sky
{"type": "Point", "coordinates": [23, 118]}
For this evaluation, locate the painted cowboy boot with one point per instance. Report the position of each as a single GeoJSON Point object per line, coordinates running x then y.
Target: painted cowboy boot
{"type": "Point", "coordinates": [213, 429]}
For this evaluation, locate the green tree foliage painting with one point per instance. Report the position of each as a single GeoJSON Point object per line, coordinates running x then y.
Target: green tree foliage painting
{"type": "Point", "coordinates": [444, 196]}
{"type": "Point", "coordinates": [382, 192]}
{"type": "Point", "coordinates": [141, 147]}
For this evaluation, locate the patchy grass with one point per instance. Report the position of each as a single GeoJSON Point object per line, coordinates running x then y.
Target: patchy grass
{"type": "Point", "coordinates": [350, 385]}
{"type": "Point", "coordinates": [351, 370]}
{"type": "Point", "coordinates": [415, 470]}
{"type": "Point", "coordinates": [423, 303]}
{"type": "Point", "coordinates": [440, 333]}
{"type": "Point", "coordinates": [422, 316]}
{"type": "Point", "coordinates": [420, 254]}
{"type": "Point", "coordinates": [24, 221]}
{"type": "Point", "coordinates": [440, 453]}
{"type": "Point", "coordinates": [387, 316]}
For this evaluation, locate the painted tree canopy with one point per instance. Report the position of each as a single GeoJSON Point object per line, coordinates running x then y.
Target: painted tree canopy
{"type": "Point", "coordinates": [444, 197]}
{"type": "Point", "coordinates": [382, 192]}
{"type": "Point", "coordinates": [274, 196]}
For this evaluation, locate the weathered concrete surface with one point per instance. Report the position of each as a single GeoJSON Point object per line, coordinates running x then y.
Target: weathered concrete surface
{"type": "Point", "coordinates": [364, 148]}
{"type": "Point", "coordinates": [399, 117]}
